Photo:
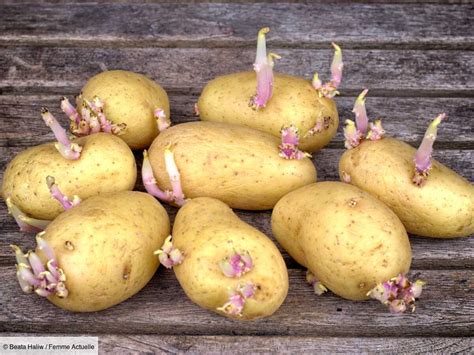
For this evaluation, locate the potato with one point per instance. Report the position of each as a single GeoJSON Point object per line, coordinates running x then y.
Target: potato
{"type": "Point", "coordinates": [106, 165]}
{"type": "Point", "coordinates": [129, 98]}
{"type": "Point", "coordinates": [208, 233]}
{"type": "Point", "coordinates": [442, 208]}
{"type": "Point", "coordinates": [237, 165]}
{"type": "Point", "coordinates": [104, 247]}
{"type": "Point", "coordinates": [348, 239]}
{"type": "Point", "coordinates": [269, 102]}
{"type": "Point", "coordinates": [294, 101]}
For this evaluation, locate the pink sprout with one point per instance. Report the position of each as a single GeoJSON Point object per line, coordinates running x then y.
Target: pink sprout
{"type": "Point", "coordinates": [346, 177]}
{"type": "Point", "coordinates": [176, 195]}
{"type": "Point", "coordinates": [423, 154]}
{"type": "Point", "coordinates": [354, 133]}
{"type": "Point", "coordinates": [66, 148]}
{"type": "Point", "coordinates": [196, 109]}
{"type": "Point", "coordinates": [263, 66]}
{"type": "Point", "coordinates": [351, 134]}
{"type": "Point", "coordinates": [161, 120]}
{"type": "Point", "coordinates": [168, 255]}
{"type": "Point", "coordinates": [92, 118]}
{"type": "Point", "coordinates": [398, 293]}
{"type": "Point", "coordinates": [237, 299]}
{"type": "Point", "coordinates": [58, 195]}
{"type": "Point", "coordinates": [149, 180]}
{"type": "Point", "coordinates": [362, 122]}
{"type": "Point", "coordinates": [329, 89]}
{"type": "Point", "coordinates": [26, 224]}
{"type": "Point", "coordinates": [376, 131]}
{"type": "Point", "coordinates": [236, 265]}
{"type": "Point", "coordinates": [318, 287]}
{"type": "Point", "coordinates": [34, 276]}
{"type": "Point", "coordinates": [70, 111]}
{"type": "Point", "coordinates": [289, 144]}
{"type": "Point", "coordinates": [175, 177]}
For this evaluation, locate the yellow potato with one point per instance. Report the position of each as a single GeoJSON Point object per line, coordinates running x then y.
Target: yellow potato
{"type": "Point", "coordinates": [294, 101]}
{"type": "Point", "coordinates": [106, 165]}
{"type": "Point", "coordinates": [348, 239]}
{"type": "Point", "coordinates": [208, 232]}
{"type": "Point", "coordinates": [129, 98]}
{"type": "Point", "coordinates": [442, 208]}
{"type": "Point", "coordinates": [237, 165]}
{"type": "Point", "coordinates": [105, 247]}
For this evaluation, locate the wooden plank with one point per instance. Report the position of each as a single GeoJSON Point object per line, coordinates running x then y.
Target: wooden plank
{"type": "Point", "coordinates": [286, 345]}
{"type": "Point", "coordinates": [211, 25]}
{"type": "Point", "coordinates": [403, 118]}
{"type": "Point", "coordinates": [445, 309]}
{"type": "Point", "coordinates": [407, 73]}
{"type": "Point", "coordinates": [153, 344]}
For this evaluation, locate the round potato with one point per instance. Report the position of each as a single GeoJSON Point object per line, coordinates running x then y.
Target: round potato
{"type": "Point", "coordinates": [105, 248]}
{"type": "Point", "coordinates": [208, 233]}
{"type": "Point", "coordinates": [106, 165]}
{"type": "Point", "coordinates": [442, 208]}
{"type": "Point", "coordinates": [129, 98]}
{"type": "Point", "coordinates": [237, 165]}
{"type": "Point", "coordinates": [348, 239]}
{"type": "Point", "coordinates": [294, 102]}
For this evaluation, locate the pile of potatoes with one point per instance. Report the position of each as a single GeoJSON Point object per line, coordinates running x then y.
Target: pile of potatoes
{"type": "Point", "coordinates": [99, 242]}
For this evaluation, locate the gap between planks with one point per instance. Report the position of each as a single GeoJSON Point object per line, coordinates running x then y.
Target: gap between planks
{"type": "Point", "coordinates": [80, 42]}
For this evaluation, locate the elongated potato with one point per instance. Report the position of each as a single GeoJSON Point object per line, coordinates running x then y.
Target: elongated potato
{"type": "Point", "coordinates": [348, 239]}
{"type": "Point", "coordinates": [211, 236]}
{"type": "Point", "coordinates": [442, 208]}
{"type": "Point", "coordinates": [129, 98]}
{"type": "Point", "coordinates": [237, 165]}
{"type": "Point", "coordinates": [100, 251]}
{"type": "Point", "coordinates": [106, 164]}
{"type": "Point", "coordinates": [295, 101]}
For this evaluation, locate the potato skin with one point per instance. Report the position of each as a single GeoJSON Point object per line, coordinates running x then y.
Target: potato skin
{"type": "Point", "coordinates": [129, 98]}
{"type": "Point", "coordinates": [294, 101]}
{"type": "Point", "coordinates": [237, 165]}
{"type": "Point", "coordinates": [208, 231]}
{"type": "Point", "coordinates": [106, 165]}
{"type": "Point", "coordinates": [442, 208]}
{"type": "Point", "coordinates": [105, 247]}
{"type": "Point", "coordinates": [348, 239]}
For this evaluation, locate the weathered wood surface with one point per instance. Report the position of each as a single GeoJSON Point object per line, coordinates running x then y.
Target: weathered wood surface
{"type": "Point", "coordinates": [415, 59]}
{"type": "Point", "coordinates": [191, 344]}
{"type": "Point", "coordinates": [285, 345]}
{"type": "Point", "coordinates": [306, 25]}
{"type": "Point", "coordinates": [162, 307]}
{"type": "Point", "coordinates": [404, 118]}
{"type": "Point", "coordinates": [411, 73]}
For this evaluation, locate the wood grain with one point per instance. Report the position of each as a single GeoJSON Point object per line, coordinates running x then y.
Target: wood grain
{"type": "Point", "coordinates": [189, 344]}
{"type": "Point", "coordinates": [417, 62]}
{"type": "Point", "coordinates": [231, 25]}
{"type": "Point", "coordinates": [445, 309]}
{"type": "Point", "coordinates": [403, 118]}
{"type": "Point", "coordinates": [284, 344]}
{"type": "Point", "coordinates": [409, 73]}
